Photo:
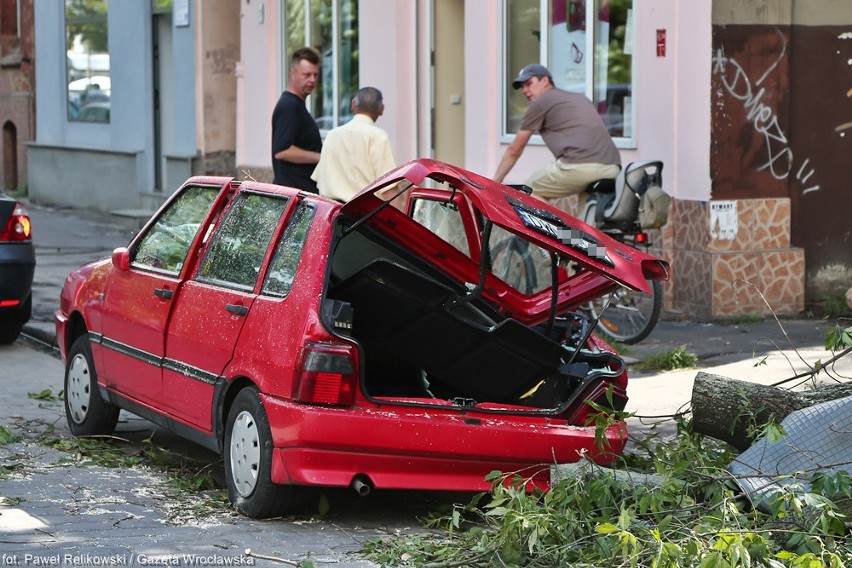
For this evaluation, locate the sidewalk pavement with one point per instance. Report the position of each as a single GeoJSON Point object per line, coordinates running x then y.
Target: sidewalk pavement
{"type": "Point", "coordinates": [95, 515]}
{"type": "Point", "coordinates": [760, 351]}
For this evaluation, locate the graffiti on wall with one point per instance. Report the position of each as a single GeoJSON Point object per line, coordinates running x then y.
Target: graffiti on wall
{"type": "Point", "coordinates": [781, 127]}
{"type": "Point", "coordinates": [780, 160]}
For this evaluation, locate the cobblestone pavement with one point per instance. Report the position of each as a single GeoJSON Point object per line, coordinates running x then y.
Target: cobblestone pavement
{"type": "Point", "coordinates": [60, 508]}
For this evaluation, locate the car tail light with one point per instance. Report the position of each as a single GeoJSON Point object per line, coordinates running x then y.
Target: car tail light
{"type": "Point", "coordinates": [641, 238]}
{"type": "Point", "coordinates": [327, 374]}
{"type": "Point", "coordinates": [18, 228]}
{"type": "Point", "coordinates": [655, 270]}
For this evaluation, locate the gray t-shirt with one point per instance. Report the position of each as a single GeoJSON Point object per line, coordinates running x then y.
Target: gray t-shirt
{"type": "Point", "coordinates": [571, 128]}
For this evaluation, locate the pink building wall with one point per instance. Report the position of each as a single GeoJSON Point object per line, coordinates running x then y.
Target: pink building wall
{"type": "Point", "coordinates": [672, 98]}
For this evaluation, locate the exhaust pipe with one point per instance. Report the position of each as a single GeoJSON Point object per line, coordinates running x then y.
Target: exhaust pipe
{"type": "Point", "coordinates": [361, 485]}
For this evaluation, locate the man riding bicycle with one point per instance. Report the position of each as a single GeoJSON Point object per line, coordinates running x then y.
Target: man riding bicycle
{"type": "Point", "coordinates": [572, 130]}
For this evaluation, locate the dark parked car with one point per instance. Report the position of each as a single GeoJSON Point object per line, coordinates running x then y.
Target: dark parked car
{"type": "Point", "coordinates": [93, 112]}
{"type": "Point", "coordinates": [17, 264]}
{"type": "Point", "coordinates": [360, 344]}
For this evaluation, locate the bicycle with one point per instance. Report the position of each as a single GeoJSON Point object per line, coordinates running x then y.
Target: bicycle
{"type": "Point", "coordinates": [623, 208]}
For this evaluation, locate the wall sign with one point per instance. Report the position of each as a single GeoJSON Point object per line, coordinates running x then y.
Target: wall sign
{"type": "Point", "coordinates": [723, 220]}
{"type": "Point", "coordinates": [661, 42]}
{"type": "Point", "coordinates": [180, 13]}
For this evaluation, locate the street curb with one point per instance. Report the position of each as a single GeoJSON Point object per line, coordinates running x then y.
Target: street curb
{"type": "Point", "coordinates": [42, 334]}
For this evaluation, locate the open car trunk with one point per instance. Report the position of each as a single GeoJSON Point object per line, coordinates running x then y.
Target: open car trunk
{"type": "Point", "coordinates": [424, 339]}
{"type": "Point", "coordinates": [438, 323]}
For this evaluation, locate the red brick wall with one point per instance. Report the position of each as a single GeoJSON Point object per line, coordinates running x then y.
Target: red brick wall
{"type": "Point", "coordinates": [17, 89]}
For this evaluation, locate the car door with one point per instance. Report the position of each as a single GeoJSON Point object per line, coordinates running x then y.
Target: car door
{"type": "Point", "coordinates": [138, 301]}
{"type": "Point", "coordinates": [213, 305]}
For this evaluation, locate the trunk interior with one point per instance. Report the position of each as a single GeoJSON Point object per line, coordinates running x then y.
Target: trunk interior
{"type": "Point", "coordinates": [423, 338]}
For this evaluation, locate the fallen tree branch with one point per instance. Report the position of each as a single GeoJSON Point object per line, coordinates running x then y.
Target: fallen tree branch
{"type": "Point", "coordinates": [733, 411]}
{"type": "Point", "coordinates": [812, 371]}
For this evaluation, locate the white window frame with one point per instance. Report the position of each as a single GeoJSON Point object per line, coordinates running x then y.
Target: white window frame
{"type": "Point", "coordinates": [335, 65]}
{"type": "Point", "coordinates": [624, 142]}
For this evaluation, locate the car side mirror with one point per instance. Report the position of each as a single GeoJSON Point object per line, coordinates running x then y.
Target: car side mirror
{"type": "Point", "coordinates": [121, 258]}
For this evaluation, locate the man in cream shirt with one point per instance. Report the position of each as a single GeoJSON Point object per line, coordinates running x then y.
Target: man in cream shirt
{"type": "Point", "coordinates": [355, 154]}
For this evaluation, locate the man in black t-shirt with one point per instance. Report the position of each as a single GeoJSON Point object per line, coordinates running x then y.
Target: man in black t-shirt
{"type": "Point", "coordinates": [296, 141]}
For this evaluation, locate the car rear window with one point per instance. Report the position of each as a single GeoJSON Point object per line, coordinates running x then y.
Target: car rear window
{"type": "Point", "coordinates": [519, 263]}
{"type": "Point", "coordinates": [239, 245]}
{"type": "Point", "coordinates": [443, 219]}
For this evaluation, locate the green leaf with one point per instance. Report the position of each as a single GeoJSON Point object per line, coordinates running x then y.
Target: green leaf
{"type": "Point", "coordinates": [7, 436]}
{"type": "Point", "coordinates": [532, 540]}
{"type": "Point", "coordinates": [46, 394]}
{"type": "Point", "coordinates": [713, 560]}
{"type": "Point", "coordinates": [606, 528]}
{"type": "Point", "coordinates": [493, 476]}
{"type": "Point", "coordinates": [774, 432]}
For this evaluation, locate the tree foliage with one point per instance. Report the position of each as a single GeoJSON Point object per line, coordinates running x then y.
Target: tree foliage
{"type": "Point", "coordinates": [691, 513]}
{"type": "Point", "coordinates": [87, 20]}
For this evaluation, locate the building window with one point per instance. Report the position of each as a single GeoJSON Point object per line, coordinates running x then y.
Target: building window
{"type": "Point", "coordinates": [586, 44]}
{"type": "Point", "coordinates": [87, 59]}
{"type": "Point", "coordinates": [331, 26]}
{"type": "Point", "coordinates": [9, 18]}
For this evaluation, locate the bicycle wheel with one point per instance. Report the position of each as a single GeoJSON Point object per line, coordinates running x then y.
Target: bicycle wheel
{"type": "Point", "coordinates": [631, 316]}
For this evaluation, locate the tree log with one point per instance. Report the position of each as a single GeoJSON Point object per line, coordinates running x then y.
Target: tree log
{"type": "Point", "coordinates": [733, 411]}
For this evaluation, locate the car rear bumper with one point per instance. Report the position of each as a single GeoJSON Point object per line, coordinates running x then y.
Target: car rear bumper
{"type": "Point", "coordinates": [17, 266]}
{"type": "Point", "coordinates": [408, 448]}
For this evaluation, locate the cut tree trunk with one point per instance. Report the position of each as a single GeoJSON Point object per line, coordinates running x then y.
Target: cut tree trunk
{"type": "Point", "coordinates": [733, 411]}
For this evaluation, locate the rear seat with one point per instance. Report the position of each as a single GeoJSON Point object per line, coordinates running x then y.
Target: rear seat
{"type": "Point", "coordinates": [406, 314]}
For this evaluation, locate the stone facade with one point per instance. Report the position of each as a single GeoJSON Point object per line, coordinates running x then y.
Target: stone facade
{"type": "Point", "coordinates": [742, 265]}
{"type": "Point", "coordinates": [739, 263]}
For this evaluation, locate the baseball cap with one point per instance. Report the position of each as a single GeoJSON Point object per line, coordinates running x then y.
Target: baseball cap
{"type": "Point", "coordinates": [530, 71]}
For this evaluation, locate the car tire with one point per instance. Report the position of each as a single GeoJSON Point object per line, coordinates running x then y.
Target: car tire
{"type": "Point", "coordinates": [88, 414]}
{"type": "Point", "coordinates": [12, 323]}
{"type": "Point", "coordinates": [10, 328]}
{"type": "Point", "coordinates": [248, 460]}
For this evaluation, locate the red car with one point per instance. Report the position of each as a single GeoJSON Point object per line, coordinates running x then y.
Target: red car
{"type": "Point", "coordinates": [411, 343]}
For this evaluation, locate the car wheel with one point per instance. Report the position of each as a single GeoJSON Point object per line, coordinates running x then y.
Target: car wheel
{"type": "Point", "coordinates": [87, 412]}
{"type": "Point", "coordinates": [248, 460]}
{"type": "Point", "coordinates": [10, 328]}
{"type": "Point", "coordinates": [12, 322]}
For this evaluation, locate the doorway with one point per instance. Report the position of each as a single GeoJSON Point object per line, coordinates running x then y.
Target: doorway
{"type": "Point", "coordinates": [10, 157]}
{"type": "Point", "coordinates": [448, 94]}
{"type": "Point", "coordinates": [163, 92]}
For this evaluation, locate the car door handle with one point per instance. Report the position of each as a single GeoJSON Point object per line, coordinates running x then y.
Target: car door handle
{"type": "Point", "coordinates": [163, 293]}
{"type": "Point", "coordinates": [237, 310]}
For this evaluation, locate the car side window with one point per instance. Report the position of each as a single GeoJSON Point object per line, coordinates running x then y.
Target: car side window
{"type": "Point", "coordinates": [285, 263]}
{"type": "Point", "coordinates": [166, 243]}
{"type": "Point", "coordinates": [238, 247]}
{"type": "Point", "coordinates": [444, 219]}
